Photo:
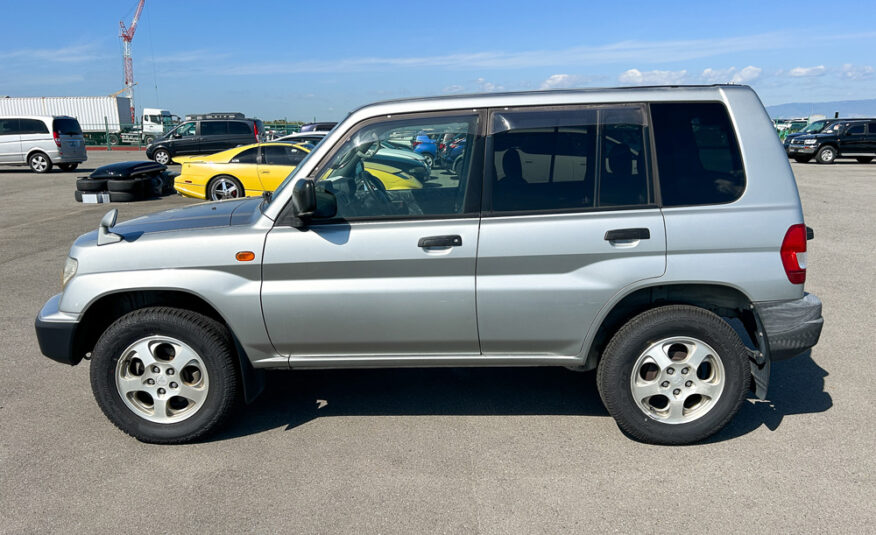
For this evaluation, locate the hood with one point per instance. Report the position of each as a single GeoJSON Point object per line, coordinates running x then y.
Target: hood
{"type": "Point", "coordinates": [202, 215]}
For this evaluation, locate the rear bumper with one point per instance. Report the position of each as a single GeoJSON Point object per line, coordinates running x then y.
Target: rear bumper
{"type": "Point", "coordinates": [56, 333]}
{"type": "Point", "coordinates": [791, 327]}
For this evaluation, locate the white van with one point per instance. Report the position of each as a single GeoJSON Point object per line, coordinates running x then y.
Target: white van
{"type": "Point", "coordinates": [41, 141]}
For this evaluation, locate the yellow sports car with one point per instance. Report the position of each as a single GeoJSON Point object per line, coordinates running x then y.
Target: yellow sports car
{"type": "Point", "coordinates": [253, 169]}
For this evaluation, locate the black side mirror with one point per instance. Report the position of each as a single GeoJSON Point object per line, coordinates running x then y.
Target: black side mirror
{"type": "Point", "coordinates": [309, 202]}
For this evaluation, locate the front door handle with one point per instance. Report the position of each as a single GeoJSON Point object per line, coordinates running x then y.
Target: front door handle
{"type": "Point", "coordinates": [628, 234]}
{"type": "Point", "coordinates": [440, 241]}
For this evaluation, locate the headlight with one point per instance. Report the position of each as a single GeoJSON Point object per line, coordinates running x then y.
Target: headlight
{"type": "Point", "coordinates": [70, 267]}
{"type": "Point", "coordinates": [810, 142]}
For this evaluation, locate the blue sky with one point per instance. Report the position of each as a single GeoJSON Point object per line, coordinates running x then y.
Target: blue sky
{"type": "Point", "coordinates": [306, 60]}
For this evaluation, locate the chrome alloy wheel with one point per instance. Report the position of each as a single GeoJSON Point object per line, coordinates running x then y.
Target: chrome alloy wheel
{"type": "Point", "coordinates": [162, 157]}
{"type": "Point", "coordinates": [162, 379]}
{"type": "Point", "coordinates": [225, 189]}
{"type": "Point", "coordinates": [39, 163]}
{"type": "Point", "coordinates": [826, 154]}
{"type": "Point", "coordinates": [677, 380]}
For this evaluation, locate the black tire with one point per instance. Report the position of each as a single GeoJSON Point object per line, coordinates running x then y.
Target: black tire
{"type": "Point", "coordinates": [826, 155]}
{"type": "Point", "coordinates": [211, 343]}
{"type": "Point", "coordinates": [219, 188]}
{"type": "Point", "coordinates": [77, 195]}
{"type": "Point", "coordinates": [39, 162]}
{"type": "Point", "coordinates": [429, 159]}
{"type": "Point", "coordinates": [162, 156]}
{"type": "Point", "coordinates": [627, 347]}
{"type": "Point", "coordinates": [149, 140]}
{"type": "Point", "coordinates": [864, 159]}
{"type": "Point", "coordinates": [113, 139]}
{"type": "Point", "coordinates": [127, 185]}
{"type": "Point", "coordinates": [458, 165]}
{"type": "Point", "coordinates": [68, 166]}
{"type": "Point", "coordinates": [802, 159]}
{"type": "Point", "coordinates": [91, 184]}
{"type": "Point", "coordinates": [124, 196]}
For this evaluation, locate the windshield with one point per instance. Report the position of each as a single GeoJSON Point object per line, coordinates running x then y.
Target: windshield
{"type": "Point", "coordinates": [815, 127]}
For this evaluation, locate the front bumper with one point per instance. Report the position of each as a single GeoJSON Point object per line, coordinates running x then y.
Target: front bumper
{"type": "Point", "coordinates": [791, 327]}
{"type": "Point", "coordinates": [801, 149]}
{"type": "Point", "coordinates": [56, 333]}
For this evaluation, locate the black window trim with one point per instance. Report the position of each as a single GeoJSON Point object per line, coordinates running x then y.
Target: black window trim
{"type": "Point", "coordinates": [487, 198]}
{"type": "Point", "coordinates": [285, 217]}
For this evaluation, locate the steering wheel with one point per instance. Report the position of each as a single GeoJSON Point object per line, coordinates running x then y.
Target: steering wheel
{"type": "Point", "coordinates": [368, 183]}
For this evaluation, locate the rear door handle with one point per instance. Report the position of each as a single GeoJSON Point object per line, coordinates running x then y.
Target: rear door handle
{"type": "Point", "coordinates": [440, 241]}
{"type": "Point", "coordinates": [628, 234]}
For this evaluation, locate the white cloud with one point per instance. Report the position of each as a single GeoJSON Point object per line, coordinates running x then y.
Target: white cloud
{"type": "Point", "coordinates": [488, 87]}
{"type": "Point", "coordinates": [799, 72]}
{"type": "Point", "coordinates": [731, 75]}
{"type": "Point", "coordinates": [67, 54]}
{"type": "Point", "coordinates": [856, 72]}
{"type": "Point", "coordinates": [455, 88]}
{"type": "Point", "coordinates": [637, 77]}
{"type": "Point", "coordinates": [557, 81]}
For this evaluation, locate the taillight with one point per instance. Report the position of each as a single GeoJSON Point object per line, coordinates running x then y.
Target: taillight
{"type": "Point", "coordinates": [255, 129]}
{"type": "Point", "coordinates": [414, 144]}
{"type": "Point", "coordinates": [794, 254]}
{"type": "Point", "coordinates": [56, 137]}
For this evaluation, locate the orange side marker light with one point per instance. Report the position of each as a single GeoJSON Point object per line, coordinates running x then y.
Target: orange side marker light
{"type": "Point", "coordinates": [245, 256]}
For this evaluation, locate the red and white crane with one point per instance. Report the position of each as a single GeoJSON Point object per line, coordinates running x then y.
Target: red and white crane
{"type": "Point", "coordinates": [127, 35]}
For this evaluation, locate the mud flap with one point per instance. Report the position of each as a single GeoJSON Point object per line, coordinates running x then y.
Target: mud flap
{"type": "Point", "coordinates": [761, 375]}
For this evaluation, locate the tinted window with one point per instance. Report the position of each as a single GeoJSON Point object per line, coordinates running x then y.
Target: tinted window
{"type": "Point", "coordinates": [32, 126]}
{"type": "Point", "coordinates": [185, 130]}
{"type": "Point", "coordinates": [367, 186]}
{"type": "Point", "coordinates": [283, 155]}
{"type": "Point", "coordinates": [855, 129]}
{"type": "Point", "coordinates": [236, 127]}
{"type": "Point", "coordinates": [247, 156]}
{"type": "Point", "coordinates": [8, 127]}
{"type": "Point", "coordinates": [569, 159]}
{"type": "Point", "coordinates": [67, 127]}
{"type": "Point", "coordinates": [214, 128]}
{"type": "Point", "coordinates": [698, 156]}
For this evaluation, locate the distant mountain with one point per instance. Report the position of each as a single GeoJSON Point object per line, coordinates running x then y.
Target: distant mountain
{"type": "Point", "coordinates": [846, 108]}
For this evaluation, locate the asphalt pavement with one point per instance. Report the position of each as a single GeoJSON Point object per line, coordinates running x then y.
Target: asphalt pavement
{"type": "Point", "coordinates": [512, 450]}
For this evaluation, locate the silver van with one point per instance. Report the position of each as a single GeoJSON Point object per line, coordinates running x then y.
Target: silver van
{"type": "Point", "coordinates": [41, 142]}
{"type": "Point", "coordinates": [654, 235]}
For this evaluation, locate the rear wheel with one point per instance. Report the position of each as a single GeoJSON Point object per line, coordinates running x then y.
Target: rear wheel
{"type": "Point", "coordinates": [674, 375]}
{"type": "Point", "coordinates": [39, 163]}
{"type": "Point", "coordinates": [826, 155]}
{"type": "Point", "coordinates": [224, 187]}
{"type": "Point", "coordinates": [165, 375]}
{"type": "Point", "coordinates": [113, 139]}
{"type": "Point", "coordinates": [428, 159]}
{"type": "Point", "coordinates": [864, 159]}
{"type": "Point", "coordinates": [68, 166]}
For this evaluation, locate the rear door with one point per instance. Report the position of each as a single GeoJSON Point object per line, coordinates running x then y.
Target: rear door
{"type": "Point", "coordinates": [10, 142]}
{"type": "Point", "coordinates": [70, 136]}
{"type": "Point", "coordinates": [277, 162]}
{"type": "Point", "coordinates": [854, 140]}
{"type": "Point", "coordinates": [570, 219]}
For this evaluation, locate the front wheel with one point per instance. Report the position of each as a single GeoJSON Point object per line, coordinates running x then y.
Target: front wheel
{"type": "Point", "coordinates": [826, 155]}
{"type": "Point", "coordinates": [428, 159]}
{"type": "Point", "coordinates": [161, 156]}
{"type": "Point", "coordinates": [165, 375]}
{"type": "Point", "coordinates": [674, 375]}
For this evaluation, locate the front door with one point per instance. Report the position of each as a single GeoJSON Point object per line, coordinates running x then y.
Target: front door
{"type": "Point", "coordinates": [393, 272]}
{"type": "Point", "coordinates": [185, 139]}
{"type": "Point", "coordinates": [10, 142]}
{"type": "Point", "coordinates": [570, 220]}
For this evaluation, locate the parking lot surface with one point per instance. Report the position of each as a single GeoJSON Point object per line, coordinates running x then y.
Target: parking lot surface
{"type": "Point", "coordinates": [464, 450]}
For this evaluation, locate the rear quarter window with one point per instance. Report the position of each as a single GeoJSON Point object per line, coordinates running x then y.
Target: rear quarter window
{"type": "Point", "coordinates": [239, 128]}
{"type": "Point", "coordinates": [698, 156]}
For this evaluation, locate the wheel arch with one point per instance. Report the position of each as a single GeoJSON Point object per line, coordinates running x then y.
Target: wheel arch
{"type": "Point", "coordinates": [33, 150]}
{"type": "Point", "coordinates": [725, 301]}
{"type": "Point", "coordinates": [105, 310]}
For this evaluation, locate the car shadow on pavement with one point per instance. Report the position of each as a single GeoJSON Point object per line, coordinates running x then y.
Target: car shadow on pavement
{"type": "Point", "coordinates": [796, 387]}
{"type": "Point", "coordinates": [296, 398]}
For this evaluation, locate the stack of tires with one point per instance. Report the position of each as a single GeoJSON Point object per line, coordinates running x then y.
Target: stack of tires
{"type": "Point", "coordinates": [127, 181]}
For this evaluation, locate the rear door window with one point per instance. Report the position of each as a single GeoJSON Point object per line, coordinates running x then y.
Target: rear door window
{"type": "Point", "coordinates": [32, 126]}
{"type": "Point", "coordinates": [66, 127]}
{"type": "Point", "coordinates": [855, 130]}
{"type": "Point", "coordinates": [239, 128]}
{"type": "Point", "coordinates": [698, 156]}
{"type": "Point", "coordinates": [214, 128]}
{"type": "Point", "coordinates": [569, 159]}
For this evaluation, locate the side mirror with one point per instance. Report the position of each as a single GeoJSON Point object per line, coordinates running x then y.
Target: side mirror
{"type": "Point", "coordinates": [310, 202]}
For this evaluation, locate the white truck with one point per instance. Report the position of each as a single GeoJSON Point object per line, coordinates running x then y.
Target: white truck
{"type": "Point", "coordinates": [103, 119]}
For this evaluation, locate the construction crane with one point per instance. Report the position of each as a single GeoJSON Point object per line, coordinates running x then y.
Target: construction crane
{"type": "Point", "coordinates": [127, 35]}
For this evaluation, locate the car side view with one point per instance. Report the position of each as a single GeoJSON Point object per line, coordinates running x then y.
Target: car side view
{"type": "Point", "coordinates": [845, 138]}
{"type": "Point", "coordinates": [654, 235]}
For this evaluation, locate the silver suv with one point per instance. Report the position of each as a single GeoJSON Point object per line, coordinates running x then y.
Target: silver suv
{"type": "Point", "coordinates": [652, 234]}
{"type": "Point", "coordinates": [41, 142]}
